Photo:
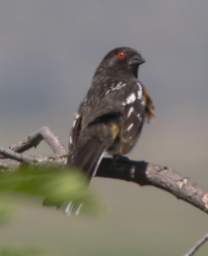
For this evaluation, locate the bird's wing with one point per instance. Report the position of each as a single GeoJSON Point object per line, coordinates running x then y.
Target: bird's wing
{"type": "Point", "coordinates": [93, 131]}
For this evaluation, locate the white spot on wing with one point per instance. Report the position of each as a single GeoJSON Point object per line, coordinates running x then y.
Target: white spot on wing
{"type": "Point", "coordinates": [140, 86]}
{"type": "Point", "coordinates": [74, 123]}
{"type": "Point", "coordinates": [139, 94]}
{"type": "Point", "coordinates": [129, 127]}
{"type": "Point", "coordinates": [143, 102]}
{"type": "Point", "coordinates": [114, 88]}
{"type": "Point", "coordinates": [131, 98]}
{"type": "Point", "coordinates": [139, 116]}
{"type": "Point", "coordinates": [140, 91]}
{"type": "Point", "coordinates": [119, 86]}
{"type": "Point", "coordinates": [77, 115]}
{"type": "Point", "coordinates": [130, 111]}
{"type": "Point", "coordinates": [70, 139]}
{"type": "Point", "coordinates": [108, 91]}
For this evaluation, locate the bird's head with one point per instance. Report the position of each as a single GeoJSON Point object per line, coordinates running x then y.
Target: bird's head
{"type": "Point", "coordinates": [121, 60]}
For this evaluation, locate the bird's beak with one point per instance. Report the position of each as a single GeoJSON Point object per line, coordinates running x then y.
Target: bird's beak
{"type": "Point", "coordinates": [136, 60]}
{"type": "Point", "coordinates": [142, 61]}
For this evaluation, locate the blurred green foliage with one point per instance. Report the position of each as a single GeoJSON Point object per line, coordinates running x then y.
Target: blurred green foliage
{"type": "Point", "coordinates": [56, 185]}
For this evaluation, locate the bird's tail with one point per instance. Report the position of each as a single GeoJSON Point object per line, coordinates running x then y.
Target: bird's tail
{"type": "Point", "coordinates": [88, 152]}
{"type": "Point", "coordinates": [86, 158]}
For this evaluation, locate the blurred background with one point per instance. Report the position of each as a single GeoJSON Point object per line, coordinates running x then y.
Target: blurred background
{"type": "Point", "coordinates": [48, 53]}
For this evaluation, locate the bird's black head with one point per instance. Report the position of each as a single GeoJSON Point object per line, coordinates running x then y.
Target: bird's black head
{"type": "Point", "coordinates": [122, 60]}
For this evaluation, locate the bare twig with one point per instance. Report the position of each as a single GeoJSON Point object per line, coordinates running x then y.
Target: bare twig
{"type": "Point", "coordinates": [52, 141]}
{"type": "Point", "coordinates": [21, 158]}
{"type": "Point", "coordinates": [34, 140]}
{"type": "Point", "coordinates": [197, 246]}
{"type": "Point", "coordinates": [7, 153]}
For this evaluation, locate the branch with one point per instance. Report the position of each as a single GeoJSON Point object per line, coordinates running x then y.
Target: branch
{"type": "Point", "coordinates": [197, 246]}
{"type": "Point", "coordinates": [139, 172]}
{"type": "Point", "coordinates": [144, 173]}
{"type": "Point", "coordinates": [7, 153]}
{"type": "Point", "coordinates": [44, 134]}
{"type": "Point", "coordinates": [122, 168]}
{"type": "Point", "coordinates": [22, 158]}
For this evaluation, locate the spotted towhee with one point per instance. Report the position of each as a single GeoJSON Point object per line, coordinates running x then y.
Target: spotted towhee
{"type": "Point", "coordinates": [111, 116]}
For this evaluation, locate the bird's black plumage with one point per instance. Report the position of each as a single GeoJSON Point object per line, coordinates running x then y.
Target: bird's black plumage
{"type": "Point", "coordinates": [112, 114]}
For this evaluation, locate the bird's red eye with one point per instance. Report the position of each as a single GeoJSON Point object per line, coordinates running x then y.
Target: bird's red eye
{"type": "Point", "coordinates": [121, 56]}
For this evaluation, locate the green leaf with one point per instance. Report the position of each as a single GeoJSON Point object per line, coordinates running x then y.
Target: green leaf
{"type": "Point", "coordinates": [56, 184]}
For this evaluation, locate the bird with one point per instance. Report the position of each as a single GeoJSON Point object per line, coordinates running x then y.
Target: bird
{"type": "Point", "coordinates": [112, 114]}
